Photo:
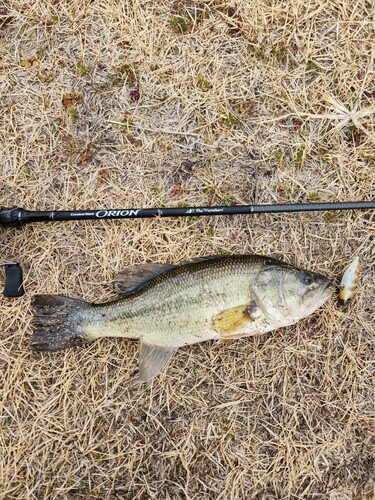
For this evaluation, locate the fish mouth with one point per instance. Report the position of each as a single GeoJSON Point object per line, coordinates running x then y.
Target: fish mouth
{"type": "Point", "coordinates": [314, 299]}
{"type": "Point", "coordinates": [326, 291]}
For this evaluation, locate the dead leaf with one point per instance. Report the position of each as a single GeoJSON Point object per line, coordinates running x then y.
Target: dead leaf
{"type": "Point", "coordinates": [71, 99]}
{"type": "Point", "coordinates": [178, 191]}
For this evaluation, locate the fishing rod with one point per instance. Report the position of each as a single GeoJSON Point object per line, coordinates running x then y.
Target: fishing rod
{"type": "Point", "coordinates": [17, 217]}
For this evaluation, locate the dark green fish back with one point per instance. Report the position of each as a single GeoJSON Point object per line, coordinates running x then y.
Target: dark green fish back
{"type": "Point", "coordinates": [205, 263]}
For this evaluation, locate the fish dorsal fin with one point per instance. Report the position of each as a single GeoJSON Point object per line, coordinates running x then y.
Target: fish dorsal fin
{"type": "Point", "coordinates": [152, 359]}
{"type": "Point", "coordinates": [134, 276]}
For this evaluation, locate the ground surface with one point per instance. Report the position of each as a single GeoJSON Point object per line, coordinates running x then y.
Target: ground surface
{"type": "Point", "coordinates": [147, 103]}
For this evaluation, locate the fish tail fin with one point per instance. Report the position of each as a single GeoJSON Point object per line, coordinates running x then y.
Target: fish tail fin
{"type": "Point", "coordinates": [57, 323]}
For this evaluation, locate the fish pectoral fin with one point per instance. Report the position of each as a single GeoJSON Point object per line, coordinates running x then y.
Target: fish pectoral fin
{"type": "Point", "coordinates": [152, 359]}
{"type": "Point", "coordinates": [134, 276]}
{"type": "Point", "coordinates": [229, 321]}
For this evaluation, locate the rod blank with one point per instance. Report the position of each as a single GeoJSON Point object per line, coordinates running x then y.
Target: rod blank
{"type": "Point", "coordinates": [11, 217]}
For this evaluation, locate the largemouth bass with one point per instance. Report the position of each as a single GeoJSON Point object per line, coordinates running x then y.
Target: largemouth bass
{"type": "Point", "coordinates": [169, 306]}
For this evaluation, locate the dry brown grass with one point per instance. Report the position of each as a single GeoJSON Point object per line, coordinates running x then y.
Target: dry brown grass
{"type": "Point", "coordinates": [119, 104]}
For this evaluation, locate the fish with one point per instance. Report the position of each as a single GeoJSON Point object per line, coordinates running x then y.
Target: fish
{"type": "Point", "coordinates": [349, 281]}
{"type": "Point", "coordinates": [167, 306]}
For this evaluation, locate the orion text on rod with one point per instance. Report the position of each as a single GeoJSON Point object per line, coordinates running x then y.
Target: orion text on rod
{"type": "Point", "coordinates": [116, 213]}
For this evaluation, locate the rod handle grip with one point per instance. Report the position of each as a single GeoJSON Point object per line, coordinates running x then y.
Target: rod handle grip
{"type": "Point", "coordinates": [11, 217]}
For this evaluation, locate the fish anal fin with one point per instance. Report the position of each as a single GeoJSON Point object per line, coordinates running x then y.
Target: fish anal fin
{"type": "Point", "coordinates": [135, 275]}
{"type": "Point", "coordinates": [230, 321]}
{"type": "Point", "coordinates": [152, 359]}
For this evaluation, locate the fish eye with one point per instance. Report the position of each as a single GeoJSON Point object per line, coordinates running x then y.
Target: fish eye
{"type": "Point", "coordinates": [306, 278]}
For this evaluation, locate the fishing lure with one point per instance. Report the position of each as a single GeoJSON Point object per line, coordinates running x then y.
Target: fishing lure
{"type": "Point", "coordinates": [349, 281]}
